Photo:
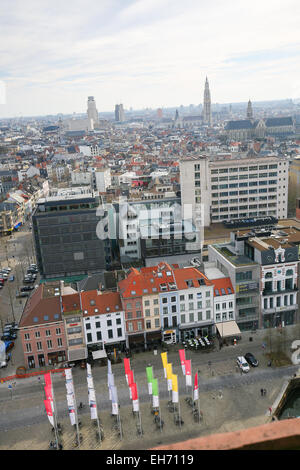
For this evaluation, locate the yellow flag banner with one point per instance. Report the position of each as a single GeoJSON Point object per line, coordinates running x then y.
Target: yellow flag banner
{"type": "Point", "coordinates": [164, 359]}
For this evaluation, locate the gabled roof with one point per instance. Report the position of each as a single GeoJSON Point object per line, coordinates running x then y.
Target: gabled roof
{"type": "Point", "coordinates": [39, 310]}
{"type": "Point", "coordinates": [239, 125]}
{"type": "Point", "coordinates": [279, 121]}
{"type": "Point", "coordinates": [102, 302]}
{"type": "Point", "coordinates": [222, 286]}
{"type": "Point", "coordinates": [190, 277]}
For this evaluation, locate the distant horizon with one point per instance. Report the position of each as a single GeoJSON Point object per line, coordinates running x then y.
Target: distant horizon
{"type": "Point", "coordinates": [153, 109]}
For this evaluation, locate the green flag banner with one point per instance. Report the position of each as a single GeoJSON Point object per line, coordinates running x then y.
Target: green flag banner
{"type": "Point", "coordinates": [155, 393]}
{"type": "Point", "coordinates": [149, 372]}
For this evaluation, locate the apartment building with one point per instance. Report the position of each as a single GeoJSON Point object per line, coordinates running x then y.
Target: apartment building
{"type": "Point", "coordinates": [103, 317]}
{"type": "Point", "coordinates": [42, 329]}
{"type": "Point", "coordinates": [65, 234]}
{"type": "Point", "coordinates": [73, 322]}
{"type": "Point", "coordinates": [227, 187]}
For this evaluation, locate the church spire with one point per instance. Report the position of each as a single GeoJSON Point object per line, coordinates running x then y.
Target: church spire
{"type": "Point", "coordinates": [249, 110]}
{"type": "Point", "coordinates": [207, 118]}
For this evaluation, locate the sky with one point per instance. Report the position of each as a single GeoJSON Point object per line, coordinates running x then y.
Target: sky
{"type": "Point", "coordinates": [145, 53]}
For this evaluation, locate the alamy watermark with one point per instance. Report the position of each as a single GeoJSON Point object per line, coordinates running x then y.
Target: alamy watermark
{"type": "Point", "coordinates": [133, 221]}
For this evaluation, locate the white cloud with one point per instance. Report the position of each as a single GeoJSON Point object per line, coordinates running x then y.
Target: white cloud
{"type": "Point", "coordinates": [149, 52]}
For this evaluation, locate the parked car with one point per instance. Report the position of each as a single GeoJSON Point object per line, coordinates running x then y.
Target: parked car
{"type": "Point", "coordinates": [11, 278]}
{"type": "Point", "coordinates": [26, 288]}
{"type": "Point", "coordinates": [13, 325]}
{"type": "Point", "coordinates": [251, 360]}
{"type": "Point", "coordinates": [28, 280]}
{"type": "Point", "coordinates": [243, 364]}
{"type": "Point", "coordinates": [3, 364]}
{"type": "Point", "coordinates": [6, 269]}
{"type": "Point", "coordinates": [22, 294]}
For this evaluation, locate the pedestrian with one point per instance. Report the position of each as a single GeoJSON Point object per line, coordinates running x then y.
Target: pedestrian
{"type": "Point", "coordinates": [262, 392]}
{"type": "Point", "coordinates": [270, 410]}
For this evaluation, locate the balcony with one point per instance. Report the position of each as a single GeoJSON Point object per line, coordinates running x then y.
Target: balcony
{"type": "Point", "coordinates": [277, 292]}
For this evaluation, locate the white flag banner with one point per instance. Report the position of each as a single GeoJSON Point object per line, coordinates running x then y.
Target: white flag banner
{"type": "Point", "coordinates": [92, 395]}
{"type": "Point", "coordinates": [111, 380]}
{"type": "Point", "coordinates": [72, 416]}
{"type": "Point", "coordinates": [89, 370]}
{"type": "Point", "coordinates": [69, 387]}
{"type": "Point", "coordinates": [135, 405]}
{"type": "Point", "coordinates": [174, 397]}
{"type": "Point", "coordinates": [90, 382]}
{"type": "Point", "coordinates": [169, 385]}
{"type": "Point", "coordinates": [155, 401]}
{"type": "Point", "coordinates": [196, 394]}
{"type": "Point", "coordinates": [114, 399]}
{"type": "Point", "coordinates": [68, 373]}
{"type": "Point", "coordinates": [115, 409]}
{"type": "Point", "coordinates": [188, 380]}
{"type": "Point", "coordinates": [93, 408]}
{"type": "Point", "coordinates": [109, 371]}
{"type": "Point", "coordinates": [150, 388]}
{"type": "Point", "coordinates": [70, 400]}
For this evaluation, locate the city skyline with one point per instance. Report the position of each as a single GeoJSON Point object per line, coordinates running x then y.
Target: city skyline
{"type": "Point", "coordinates": [150, 53]}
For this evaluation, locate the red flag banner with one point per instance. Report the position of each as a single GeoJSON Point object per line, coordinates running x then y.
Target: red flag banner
{"type": "Point", "coordinates": [134, 394]}
{"type": "Point", "coordinates": [130, 378]}
{"type": "Point", "coordinates": [48, 392]}
{"type": "Point", "coordinates": [188, 372]}
{"type": "Point", "coordinates": [48, 380]}
{"type": "Point", "coordinates": [196, 389]}
{"type": "Point", "coordinates": [49, 411]}
{"type": "Point", "coordinates": [182, 359]}
{"type": "Point", "coordinates": [127, 365]}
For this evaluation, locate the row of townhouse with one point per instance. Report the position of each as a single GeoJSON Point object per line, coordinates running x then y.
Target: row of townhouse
{"type": "Point", "coordinates": [156, 303]}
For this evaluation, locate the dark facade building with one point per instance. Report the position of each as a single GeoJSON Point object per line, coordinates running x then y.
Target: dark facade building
{"type": "Point", "coordinates": [65, 235]}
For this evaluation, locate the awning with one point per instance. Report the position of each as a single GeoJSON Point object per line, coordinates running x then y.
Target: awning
{"type": "Point", "coordinates": [99, 354]}
{"type": "Point", "coordinates": [228, 328]}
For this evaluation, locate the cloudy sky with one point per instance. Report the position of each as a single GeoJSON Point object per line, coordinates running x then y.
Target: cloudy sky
{"type": "Point", "coordinates": [145, 53]}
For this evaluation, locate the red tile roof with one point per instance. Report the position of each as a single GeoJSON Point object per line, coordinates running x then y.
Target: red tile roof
{"type": "Point", "coordinates": [222, 283]}
{"type": "Point", "coordinates": [105, 302]}
{"type": "Point", "coordinates": [70, 302]}
{"type": "Point", "coordinates": [39, 310]}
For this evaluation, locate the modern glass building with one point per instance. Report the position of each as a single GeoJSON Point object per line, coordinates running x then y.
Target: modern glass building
{"type": "Point", "coordinates": [66, 241]}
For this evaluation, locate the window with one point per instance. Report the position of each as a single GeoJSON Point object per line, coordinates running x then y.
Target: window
{"type": "Point", "coordinates": [182, 297]}
{"type": "Point", "coordinates": [138, 305]}
{"type": "Point", "coordinates": [99, 335]}
{"type": "Point", "coordinates": [88, 326]}
{"type": "Point", "coordinates": [147, 303]}
{"type": "Point", "coordinates": [199, 316]}
{"type": "Point", "coordinates": [207, 294]}
{"type": "Point", "coordinates": [39, 346]}
{"type": "Point", "coordinates": [28, 347]}
{"type": "Point", "coordinates": [173, 308]}
{"type": "Point", "coordinates": [129, 315]}
{"type": "Point", "coordinates": [157, 324]}
{"type": "Point", "coordinates": [207, 314]}
{"type": "Point", "coordinates": [118, 321]}
{"type": "Point", "coordinates": [217, 306]}
{"type": "Point", "coordinates": [89, 337]}
{"type": "Point", "coordinates": [155, 302]}
{"type": "Point", "coordinates": [191, 317]}
{"type": "Point", "coordinates": [110, 334]}
{"type": "Point", "coordinates": [173, 299]}
{"type": "Point", "coordinates": [109, 323]}
{"type": "Point", "coordinates": [148, 324]}
{"type": "Point", "coordinates": [59, 342]}
{"type": "Point", "coordinates": [27, 336]}
{"type": "Point", "coordinates": [128, 305]}
{"type": "Point", "coordinates": [98, 324]}
{"type": "Point", "coordinates": [139, 326]}
{"type": "Point", "coordinates": [199, 304]}
{"type": "Point", "coordinates": [37, 334]}
{"type": "Point", "coordinates": [147, 312]}
{"type": "Point", "coordinates": [48, 333]}
{"type": "Point", "coordinates": [230, 315]}
{"type": "Point", "coordinates": [49, 344]}
{"type": "Point", "coordinates": [207, 303]}
{"type": "Point", "coordinates": [58, 331]}
{"type": "Point", "coordinates": [191, 296]}
{"type": "Point", "coordinates": [165, 310]}
{"type": "Point", "coordinates": [164, 300]}
{"type": "Point", "coordinates": [119, 332]}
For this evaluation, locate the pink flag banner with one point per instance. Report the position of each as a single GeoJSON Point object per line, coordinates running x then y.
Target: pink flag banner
{"type": "Point", "coordinates": [127, 368]}
{"type": "Point", "coordinates": [196, 387]}
{"type": "Point", "coordinates": [49, 411]}
{"type": "Point", "coordinates": [182, 359]}
{"type": "Point", "coordinates": [188, 373]}
{"type": "Point", "coordinates": [134, 396]}
{"type": "Point", "coordinates": [48, 379]}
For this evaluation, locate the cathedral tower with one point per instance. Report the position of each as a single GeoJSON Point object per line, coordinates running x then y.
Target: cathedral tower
{"type": "Point", "coordinates": [207, 119]}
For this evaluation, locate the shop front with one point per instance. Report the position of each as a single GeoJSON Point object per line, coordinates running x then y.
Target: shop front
{"type": "Point", "coordinates": [169, 336]}
{"type": "Point", "coordinates": [191, 332]}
